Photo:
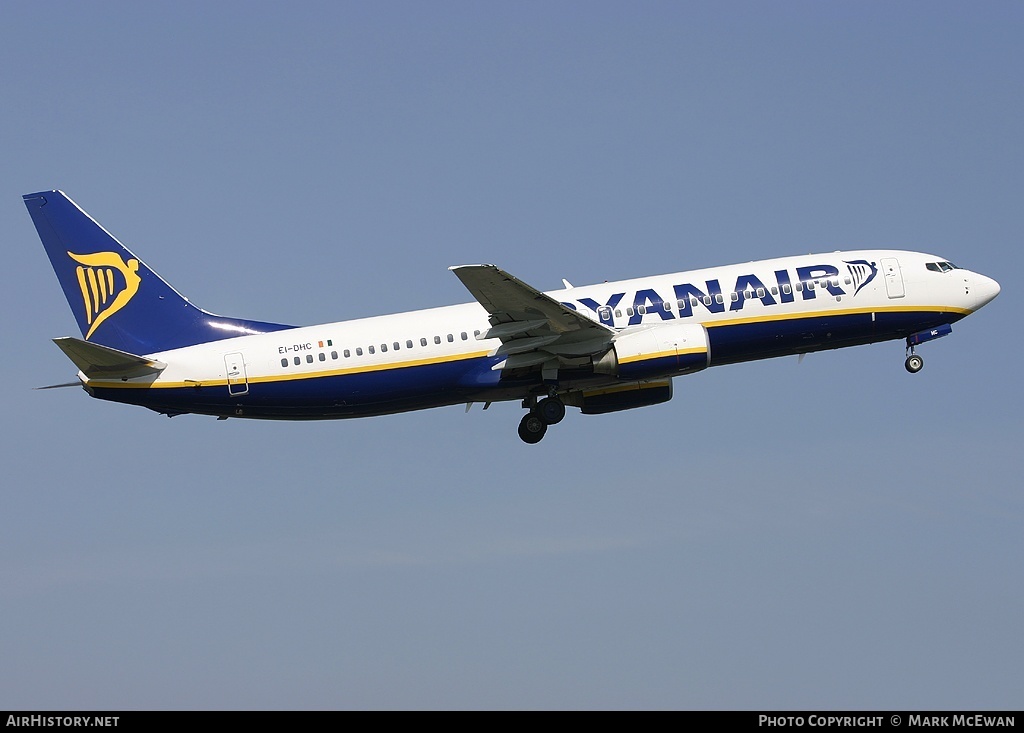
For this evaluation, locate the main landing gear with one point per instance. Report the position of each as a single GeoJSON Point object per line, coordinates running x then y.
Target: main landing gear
{"type": "Point", "coordinates": [533, 426]}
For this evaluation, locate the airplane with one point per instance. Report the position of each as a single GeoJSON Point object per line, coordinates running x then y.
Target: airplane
{"type": "Point", "coordinates": [600, 348]}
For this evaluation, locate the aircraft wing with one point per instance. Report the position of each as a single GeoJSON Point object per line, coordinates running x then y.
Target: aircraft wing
{"type": "Point", "coordinates": [531, 325]}
{"type": "Point", "coordinates": [97, 361]}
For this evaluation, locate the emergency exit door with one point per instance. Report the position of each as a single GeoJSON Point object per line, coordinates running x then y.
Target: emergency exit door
{"type": "Point", "coordinates": [234, 367]}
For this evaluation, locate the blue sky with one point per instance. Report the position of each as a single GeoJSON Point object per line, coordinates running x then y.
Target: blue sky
{"type": "Point", "coordinates": [834, 533]}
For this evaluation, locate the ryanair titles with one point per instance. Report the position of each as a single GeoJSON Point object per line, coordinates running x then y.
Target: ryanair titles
{"type": "Point", "coordinates": [782, 287]}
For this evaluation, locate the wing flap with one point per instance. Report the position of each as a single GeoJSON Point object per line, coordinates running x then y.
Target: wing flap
{"type": "Point", "coordinates": [511, 329]}
{"type": "Point", "coordinates": [534, 328]}
{"type": "Point", "coordinates": [97, 361]}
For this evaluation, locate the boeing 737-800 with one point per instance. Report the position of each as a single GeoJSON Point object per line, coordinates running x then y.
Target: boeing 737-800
{"type": "Point", "coordinates": [601, 348]}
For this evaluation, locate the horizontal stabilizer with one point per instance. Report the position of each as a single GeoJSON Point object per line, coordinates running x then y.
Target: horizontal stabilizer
{"type": "Point", "coordinates": [103, 362]}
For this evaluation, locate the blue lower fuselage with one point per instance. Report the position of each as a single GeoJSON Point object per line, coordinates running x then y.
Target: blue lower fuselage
{"type": "Point", "coordinates": [385, 391]}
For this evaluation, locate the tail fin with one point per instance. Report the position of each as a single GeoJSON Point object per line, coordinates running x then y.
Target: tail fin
{"type": "Point", "coordinates": [118, 301]}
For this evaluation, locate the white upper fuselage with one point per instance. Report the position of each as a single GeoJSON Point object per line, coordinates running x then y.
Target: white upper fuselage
{"type": "Point", "coordinates": [756, 292]}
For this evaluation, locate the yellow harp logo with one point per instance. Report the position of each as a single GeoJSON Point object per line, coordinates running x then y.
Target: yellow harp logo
{"type": "Point", "coordinates": [103, 292]}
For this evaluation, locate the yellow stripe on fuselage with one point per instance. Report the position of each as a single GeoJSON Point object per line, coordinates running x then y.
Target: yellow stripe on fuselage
{"type": "Point", "coordinates": [834, 312]}
{"type": "Point", "coordinates": [294, 376]}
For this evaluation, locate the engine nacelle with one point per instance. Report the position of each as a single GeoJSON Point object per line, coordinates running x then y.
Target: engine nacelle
{"type": "Point", "coordinates": [621, 397]}
{"type": "Point", "coordinates": [656, 351]}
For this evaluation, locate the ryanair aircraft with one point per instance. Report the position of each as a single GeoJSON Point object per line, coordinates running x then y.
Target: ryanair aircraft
{"type": "Point", "coordinates": [601, 348]}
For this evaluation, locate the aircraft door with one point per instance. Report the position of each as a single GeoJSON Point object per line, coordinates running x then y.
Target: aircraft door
{"type": "Point", "coordinates": [234, 367]}
{"type": "Point", "coordinates": [893, 277]}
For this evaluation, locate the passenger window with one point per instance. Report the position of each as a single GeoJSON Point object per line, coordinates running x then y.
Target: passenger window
{"type": "Point", "coordinates": [476, 333]}
{"type": "Point", "coordinates": [734, 296]}
{"type": "Point", "coordinates": [437, 339]}
{"type": "Point", "coordinates": [618, 313]}
{"type": "Point", "coordinates": [682, 304]}
{"type": "Point", "coordinates": [642, 310]}
{"type": "Point", "coordinates": [465, 336]}
{"type": "Point", "coordinates": [719, 298]}
{"type": "Point", "coordinates": [760, 292]}
{"type": "Point", "coordinates": [284, 362]}
{"type": "Point", "coordinates": [604, 313]}
{"type": "Point", "coordinates": [347, 353]}
{"type": "Point", "coordinates": [707, 300]}
{"type": "Point", "coordinates": [786, 289]}
{"type": "Point", "coordinates": [323, 356]}
{"type": "Point", "coordinates": [396, 346]}
{"type": "Point", "coordinates": [408, 344]}
{"type": "Point", "coordinates": [451, 338]}
{"type": "Point", "coordinates": [423, 342]}
{"type": "Point", "coordinates": [798, 287]}
{"type": "Point", "coordinates": [629, 312]}
{"type": "Point", "coordinates": [370, 349]}
{"type": "Point", "coordinates": [297, 361]}
{"type": "Point", "coordinates": [309, 358]}
{"type": "Point", "coordinates": [775, 290]}
{"type": "Point", "coordinates": [359, 351]}
{"type": "Point", "coordinates": [383, 348]}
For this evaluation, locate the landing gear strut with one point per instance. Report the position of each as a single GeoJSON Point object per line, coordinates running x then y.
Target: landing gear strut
{"type": "Point", "coordinates": [533, 426]}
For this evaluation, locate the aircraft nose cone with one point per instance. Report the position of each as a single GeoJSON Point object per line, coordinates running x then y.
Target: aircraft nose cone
{"type": "Point", "coordinates": [990, 288]}
{"type": "Point", "coordinates": [985, 289]}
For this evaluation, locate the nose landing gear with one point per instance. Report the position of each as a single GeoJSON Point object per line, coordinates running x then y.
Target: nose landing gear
{"type": "Point", "coordinates": [534, 425]}
{"type": "Point", "coordinates": [915, 363]}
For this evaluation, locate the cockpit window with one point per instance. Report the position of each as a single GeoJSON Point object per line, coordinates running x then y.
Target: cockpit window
{"type": "Point", "coordinates": [941, 266]}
